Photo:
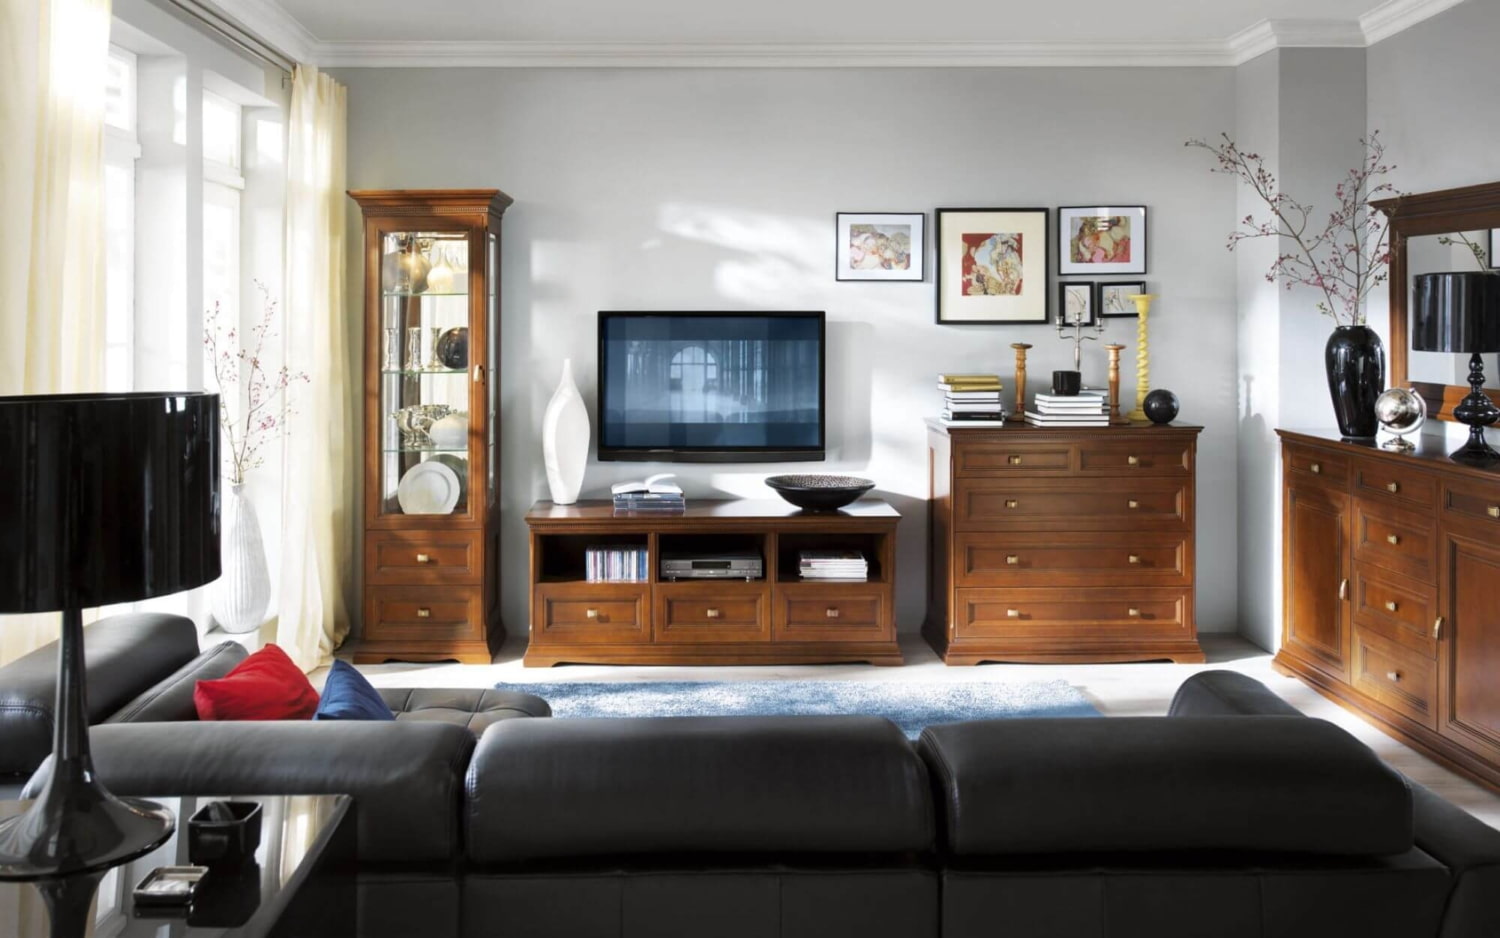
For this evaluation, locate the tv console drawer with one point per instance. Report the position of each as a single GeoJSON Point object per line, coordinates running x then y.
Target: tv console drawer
{"type": "Point", "coordinates": [829, 612]}
{"type": "Point", "coordinates": [591, 613]}
{"type": "Point", "coordinates": [712, 612]}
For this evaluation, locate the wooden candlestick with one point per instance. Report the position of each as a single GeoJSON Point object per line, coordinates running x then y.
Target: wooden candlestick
{"type": "Point", "coordinates": [1020, 348]}
{"type": "Point", "coordinates": [1142, 358]}
{"type": "Point", "coordinates": [1115, 417]}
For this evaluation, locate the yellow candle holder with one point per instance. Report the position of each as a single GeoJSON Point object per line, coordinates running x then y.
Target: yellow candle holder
{"type": "Point", "coordinates": [1142, 357]}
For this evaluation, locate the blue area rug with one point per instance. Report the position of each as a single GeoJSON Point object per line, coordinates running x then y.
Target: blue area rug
{"type": "Point", "coordinates": [910, 706]}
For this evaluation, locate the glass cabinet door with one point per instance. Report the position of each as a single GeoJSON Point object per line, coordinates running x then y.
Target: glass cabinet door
{"type": "Point", "coordinates": [425, 383]}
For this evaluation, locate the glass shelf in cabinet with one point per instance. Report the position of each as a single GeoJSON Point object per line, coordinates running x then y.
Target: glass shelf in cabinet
{"type": "Point", "coordinates": [427, 449]}
{"type": "Point", "coordinates": [418, 372]}
{"type": "Point", "coordinates": [403, 294]}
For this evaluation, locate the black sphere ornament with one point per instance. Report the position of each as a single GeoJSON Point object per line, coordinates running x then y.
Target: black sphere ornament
{"type": "Point", "coordinates": [1160, 406]}
{"type": "Point", "coordinates": [453, 348]}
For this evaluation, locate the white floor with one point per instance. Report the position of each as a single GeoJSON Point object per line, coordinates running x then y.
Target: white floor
{"type": "Point", "coordinates": [1116, 689]}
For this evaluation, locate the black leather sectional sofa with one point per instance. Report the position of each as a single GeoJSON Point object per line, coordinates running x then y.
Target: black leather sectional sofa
{"type": "Point", "coordinates": [1232, 817]}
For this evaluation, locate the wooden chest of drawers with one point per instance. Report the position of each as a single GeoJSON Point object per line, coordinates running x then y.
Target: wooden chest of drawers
{"type": "Point", "coordinates": [1391, 591]}
{"type": "Point", "coordinates": [1061, 544]}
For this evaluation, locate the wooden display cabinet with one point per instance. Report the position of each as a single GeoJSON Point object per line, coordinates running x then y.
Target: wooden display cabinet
{"type": "Point", "coordinates": [431, 380]}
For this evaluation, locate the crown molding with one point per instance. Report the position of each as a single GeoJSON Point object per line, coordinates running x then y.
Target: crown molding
{"type": "Point", "coordinates": [1394, 16]}
{"type": "Point", "coordinates": [399, 54]}
{"type": "Point", "coordinates": [1267, 35]}
{"type": "Point", "coordinates": [273, 25]}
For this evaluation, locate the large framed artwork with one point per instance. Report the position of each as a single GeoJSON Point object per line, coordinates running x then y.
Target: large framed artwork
{"type": "Point", "coordinates": [1101, 239]}
{"type": "Point", "coordinates": [992, 265]}
{"type": "Point", "coordinates": [880, 245]}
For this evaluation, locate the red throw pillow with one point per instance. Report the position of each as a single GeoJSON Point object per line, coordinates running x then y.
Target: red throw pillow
{"type": "Point", "coordinates": [265, 686]}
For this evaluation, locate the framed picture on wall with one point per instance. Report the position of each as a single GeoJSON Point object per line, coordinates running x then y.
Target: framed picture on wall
{"type": "Point", "coordinates": [880, 245]}
{"type": "Point", "coordinates": [1101, 239]}
{"type": "Point", "coordinates": [1114, 299]}
{"type": "Point", "coordinates": [992, 265]}
{"type": "Point", "coordinates": [1075, 302]}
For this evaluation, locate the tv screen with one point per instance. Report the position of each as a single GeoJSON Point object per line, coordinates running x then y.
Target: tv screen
{"type": "Point", "coordinates": [719, 387]}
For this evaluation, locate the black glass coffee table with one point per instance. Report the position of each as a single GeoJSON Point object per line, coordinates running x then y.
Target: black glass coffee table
{"type": "Point", "coordinates": [301, 883]}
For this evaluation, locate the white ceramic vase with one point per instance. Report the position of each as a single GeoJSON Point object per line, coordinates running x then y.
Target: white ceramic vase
{"type": "Point", "coordinates": [241, 595]}
{"type": "Point", "coordinates": [565, 439]}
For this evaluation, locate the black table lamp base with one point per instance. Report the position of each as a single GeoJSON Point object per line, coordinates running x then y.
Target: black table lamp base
{"type": "Point", "coordinates": [76, 829]}
{"type": "Point", "coordinates": [1476, 411]}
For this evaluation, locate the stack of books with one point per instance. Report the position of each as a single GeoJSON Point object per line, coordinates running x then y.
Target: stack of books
{"type": "Point", "coordinates": [971, 397]}
{"type": "Point", "coordinates": [833, 565]}
{"type": "Point", "coordinates": [609, 564]}
{"type": "Point", "coordinates": [1087, 408]}
{"type": "Point", "coordinates": [652, 494]}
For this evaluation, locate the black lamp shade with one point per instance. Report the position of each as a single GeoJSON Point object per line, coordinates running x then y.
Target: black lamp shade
{"type": "Point", "coordinates": [106, 498]}
{"type": "Point", "coordinates": [1456, 312]}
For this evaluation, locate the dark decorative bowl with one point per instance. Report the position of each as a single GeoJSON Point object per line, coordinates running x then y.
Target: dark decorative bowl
{"type": "Point", "coordinates": [814, 492]}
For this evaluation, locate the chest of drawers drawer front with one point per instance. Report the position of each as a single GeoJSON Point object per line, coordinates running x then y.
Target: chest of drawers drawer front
{"type": "Point", "coordinates": [712, 612]}
{"type": "Point", "coordinates": [1050, 459]}
{"type": "Point", "coordinates": [1097, 615]}
{"type": "Point", "coordinates": [1156, 504]}
{"type": "Point", "coordinates": [1309, 464]}
{"type": "Point", "coordinates": [423, 614]}
{"type": "Point", "coordinates": [1145, 458]}
{"type": "Point", "coordinates": [418, 557]}
{"type": "Point", "coordinates": [822, 612]}
{"type": "Point", "coordinates": [1403, 610]}
{"type": "Point", "coordinates": [601, 613]}
{"type": "Point", "coordinates": [1396, 485]}
{"type": "Point", "coordinates": [1403, 542]}
{"type": "Point", "coordinates": [1397, 677]}
{"type": "Point", "coordinates": [1476, 503]}
{"type": "Point", "coordinates": [1104, 559]}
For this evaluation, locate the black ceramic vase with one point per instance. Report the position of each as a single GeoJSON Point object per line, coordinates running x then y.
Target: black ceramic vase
{"type": "Point", "coordinates": [1355, 359]}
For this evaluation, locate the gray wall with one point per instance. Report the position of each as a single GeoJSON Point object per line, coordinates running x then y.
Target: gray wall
{"type": "Point", "coordinates": [716, 189]}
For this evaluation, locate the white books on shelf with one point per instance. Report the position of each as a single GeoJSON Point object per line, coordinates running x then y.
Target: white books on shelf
{"type": "Point", "coordinates": [1066, 420]}
{"type": "Point", "coordinates": [654, 485]}
{"type": "Point", "coordinates": [973, 395]}
{"type": "Point", "coordinates": [832, 565]}
{"type": "Point", "coordinates": [985, 407]}
{"type": "Point", "coordinates": [945, 422]}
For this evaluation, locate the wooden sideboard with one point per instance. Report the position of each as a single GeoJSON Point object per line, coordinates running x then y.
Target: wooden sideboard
{"type": "Point", "coordinates": [1391, 591]}
{"type": "Point", "coordinates": [1061, 544]}
{"type": "Point", "coordinates": [778, 618]}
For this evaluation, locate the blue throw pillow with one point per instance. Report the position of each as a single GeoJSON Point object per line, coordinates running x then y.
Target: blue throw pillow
{"type": "Point", "coordinates": [348, 696]}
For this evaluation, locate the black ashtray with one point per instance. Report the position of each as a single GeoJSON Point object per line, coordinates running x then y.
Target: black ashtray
{"type": "Point", "coordinates": [224, 834]}
{"type": "Point", "coordinates": [816, 492]}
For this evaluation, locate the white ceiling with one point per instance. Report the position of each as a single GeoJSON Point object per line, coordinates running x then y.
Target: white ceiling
{"type": "Point", "coordinates": [815, 32]}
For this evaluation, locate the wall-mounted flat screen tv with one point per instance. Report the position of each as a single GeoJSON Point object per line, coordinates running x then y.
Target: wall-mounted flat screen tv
{"type": "Point", "coordinates": [711, 387]}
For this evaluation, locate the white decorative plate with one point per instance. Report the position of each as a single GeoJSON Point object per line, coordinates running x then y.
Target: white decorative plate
{"type": "Point", "coordinates": [428, 488]}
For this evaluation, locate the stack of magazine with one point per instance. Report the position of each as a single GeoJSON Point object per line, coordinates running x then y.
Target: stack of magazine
{"type": "Point", "coordinates": [833, 565]}
{"type": "Point", "coordinates": [1087, 408]}
{"type": "Point", "coordinates": [974, 398]}
{"type": "Point", "coordinates": [607, 564]}
{"type": "Point", "coordinates": [651, 494]}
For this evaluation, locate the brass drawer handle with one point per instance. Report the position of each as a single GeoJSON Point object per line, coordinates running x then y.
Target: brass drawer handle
{"type": "Point", "coordinates": [1494, 511]}
{"type": "Point", "coordinates": [1135, 558]}
{"type": "Point", "coordinates": [1014, 460]}
{"type": "Point", "coordinates": [591, 613]}
{"type": "Point", "coordinates": [1012, 613]}
{"type": "Point", "coordinates": [1393, 676]}
{"type": "Point", "coordinates": [1132, 460]}
{"type": "Point", "coordinates": [424, 613]}
{"type": "Point", "coordinates": [1391, 605]}
{"type": "Point", "coordinates": [1437, 629]}
{"type": "Point", "coordinates": [1344, 589]}
{"type": "Point", "coordinates": [1012, 559]}
{"type": "Point", "coordinates": [712, 613]}
{"type": "Point", "coordinates": [1393, 487]}
{"type": "Point", "coordinates": [1133, 504]}
{"type": "Point", "coordinates": [1012, 503]}
{"type": "Point", "coordinates": [1317, 468]}
{"type": "Point", "coordinates": [831, 612]}
{"type": "Point", "coordinates": [1134, 612]}
{"type": "Point", "coordinates": [423, 558]}
{"type": "Point", "coordinates": [1392, 539]}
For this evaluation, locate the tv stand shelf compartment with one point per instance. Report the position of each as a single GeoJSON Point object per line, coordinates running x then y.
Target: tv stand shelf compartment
{"type": "Point", "coordinates": [777, 619]}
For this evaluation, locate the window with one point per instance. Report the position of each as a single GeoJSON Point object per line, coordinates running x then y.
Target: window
{"type": "Point", "coordinates": [121, 150]}
{"type": "Point", "coordinates": [222, 184]}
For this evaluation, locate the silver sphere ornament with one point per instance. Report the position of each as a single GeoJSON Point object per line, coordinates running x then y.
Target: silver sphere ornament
{"type": "Point", "coordinates": [1400, 411]}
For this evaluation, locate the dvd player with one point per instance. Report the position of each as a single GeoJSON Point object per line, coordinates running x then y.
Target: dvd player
{"type": "Point", "coordinates": [730, 565]}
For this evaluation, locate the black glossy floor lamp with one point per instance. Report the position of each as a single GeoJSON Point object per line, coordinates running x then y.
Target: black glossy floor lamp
{"type": "Point", "coordinates": [1460, 313]}
{"type": "Point", "coordinates": [103, 499]}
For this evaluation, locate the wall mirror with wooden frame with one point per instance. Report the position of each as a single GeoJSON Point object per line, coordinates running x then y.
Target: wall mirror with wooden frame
{"type": "Point", "coordinates": [1421, 223]}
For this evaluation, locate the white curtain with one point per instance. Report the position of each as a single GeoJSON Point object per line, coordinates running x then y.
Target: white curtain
{"type": "Point", "coordinates": [53, 60]}
{"type": "Point", "coordinates": [320, 462]}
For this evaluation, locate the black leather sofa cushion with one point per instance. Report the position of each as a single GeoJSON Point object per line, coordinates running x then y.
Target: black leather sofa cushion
{"type": "Point", "coordinates": [406, 778]}
{"type": "Point", "coordinates": [474, 709]}
{"type": "Point", "coordinates": [776, 785]}
{"type": "Point", "coordinates": [124, 656]}
{"type": "Point", "coordinates": [1227, 693]}
{"type": "Point", "coordinates": [172, 698]}
{"type": "Point", "coordinates": [1156, 784]}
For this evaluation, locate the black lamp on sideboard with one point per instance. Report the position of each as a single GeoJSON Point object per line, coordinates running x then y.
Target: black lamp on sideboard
{"type": "Point", "coordinates": [1460, 313]}
{"type": "Point", "coordinates": [103, 499]}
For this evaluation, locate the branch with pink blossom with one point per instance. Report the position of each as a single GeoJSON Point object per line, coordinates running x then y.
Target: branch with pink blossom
{"type": "Point", "coordinates": [1348, 257]}
{"type": "Point", "coordinates": [267, 398]}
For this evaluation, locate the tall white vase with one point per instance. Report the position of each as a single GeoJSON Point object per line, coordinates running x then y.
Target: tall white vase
{"type": "Point", "coordinates": [241, 595]}
{"type": "Point", "coordinates": [565, 439]}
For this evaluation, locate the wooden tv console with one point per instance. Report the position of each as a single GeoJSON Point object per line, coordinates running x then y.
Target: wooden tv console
{"type": "Point", "coordinates": [779, 619]}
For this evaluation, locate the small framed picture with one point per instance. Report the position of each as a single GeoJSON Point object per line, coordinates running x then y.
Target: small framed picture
{"type": "Point", "coordinates": [1494, 243]}
{"type": "Point", "coordinates": [880, 245]}
{"type": "Point", "coordinates": [1075, 302]}
{"type": "Point", "coordinates": [1102, 239]}
{"type": "Point", "coordinates": [992, 265]}
{"type": "Point", "coordinates": [1114, 299]}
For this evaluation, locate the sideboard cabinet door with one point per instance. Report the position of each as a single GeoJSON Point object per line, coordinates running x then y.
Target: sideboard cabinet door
{"type": "Point", "coordinates": [1469, 644]}
{"type": "Point", "coordinates": [1316, 541]}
